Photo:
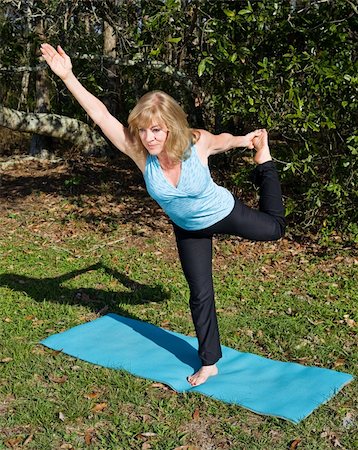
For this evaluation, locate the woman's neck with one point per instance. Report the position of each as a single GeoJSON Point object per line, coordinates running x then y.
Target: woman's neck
{"type": "Point", "coordinates": [165, 161]}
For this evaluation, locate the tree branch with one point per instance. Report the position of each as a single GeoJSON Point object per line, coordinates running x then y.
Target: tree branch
{"type": "Point", "coordinates": [137, 59]}
{"type": "Point", "coordinates": [55, 125]}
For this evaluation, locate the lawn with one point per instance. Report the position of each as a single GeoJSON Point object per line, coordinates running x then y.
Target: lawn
{"type": "Point", "coordinates": [76, 244]}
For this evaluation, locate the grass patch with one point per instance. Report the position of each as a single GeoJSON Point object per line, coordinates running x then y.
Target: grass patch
{"type": "Point", "coordinates": [282, 300]}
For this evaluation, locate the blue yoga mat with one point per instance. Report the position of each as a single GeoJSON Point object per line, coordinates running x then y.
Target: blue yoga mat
{"type": "Point", "coordinates": [287, 390]}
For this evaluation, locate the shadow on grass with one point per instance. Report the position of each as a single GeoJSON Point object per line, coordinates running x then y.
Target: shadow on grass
{"type": "Point", "coordinates": [102, 302]}
{"type": "Point", "coordinates": [99, 300]}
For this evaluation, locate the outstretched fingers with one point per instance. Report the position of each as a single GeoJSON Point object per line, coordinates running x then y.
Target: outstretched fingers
{"type": "Point", "coordinates": [59, 62]}
{"type": "Point", "coordinates": [48, 50]}
{"type": "Point", "coordinates": [61, 52]}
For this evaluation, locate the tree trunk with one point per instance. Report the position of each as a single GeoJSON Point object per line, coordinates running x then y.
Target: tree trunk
{"type": "Point", "coordinates": [26, 76]}
{"type": "Point", "coordinates": [109, 51]}
{"type": "Point", "coordinates": [56, 126]}
{"type": "Point", "coordinates": [41, 145]}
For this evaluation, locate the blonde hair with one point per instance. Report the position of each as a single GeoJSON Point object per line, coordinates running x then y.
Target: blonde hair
{"type": "Point", "coordinates": [160, 108]}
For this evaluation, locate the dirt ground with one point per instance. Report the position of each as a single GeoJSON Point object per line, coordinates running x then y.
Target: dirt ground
{"type": "Point", "coordinates": [96, 194]}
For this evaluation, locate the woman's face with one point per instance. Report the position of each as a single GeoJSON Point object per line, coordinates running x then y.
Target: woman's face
{"type": "Point", "coordinates": [153, 138]}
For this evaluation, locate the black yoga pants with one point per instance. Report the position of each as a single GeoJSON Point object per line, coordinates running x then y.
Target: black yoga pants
{"type": "Point", "coordinates": [195, 253]}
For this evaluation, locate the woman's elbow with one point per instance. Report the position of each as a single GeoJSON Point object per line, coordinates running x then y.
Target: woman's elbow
{"type": "Point", "coordinates": [100, 116]}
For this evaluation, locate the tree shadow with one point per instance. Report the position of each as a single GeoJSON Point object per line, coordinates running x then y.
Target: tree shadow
{"type": "Point", "coordinates": [110, 191]}
{"type": "Point", "coordinates": [51, 289]}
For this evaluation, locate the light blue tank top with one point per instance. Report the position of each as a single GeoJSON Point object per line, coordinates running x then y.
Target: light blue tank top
{"type": "Point", "coordinates": [197, 202]}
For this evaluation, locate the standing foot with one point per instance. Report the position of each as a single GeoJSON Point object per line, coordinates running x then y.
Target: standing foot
{"type": "Point", "coordinates": [202, 375]}
{"type": "Point", "coordinates": [262, 148]}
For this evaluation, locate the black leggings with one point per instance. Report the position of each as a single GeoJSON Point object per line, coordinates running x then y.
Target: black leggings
{"type": "Point", "coordinates": [195, 252]}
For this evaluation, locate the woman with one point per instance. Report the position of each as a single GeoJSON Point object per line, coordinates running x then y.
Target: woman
{"type": "Point", "coordinates": [174, 161]}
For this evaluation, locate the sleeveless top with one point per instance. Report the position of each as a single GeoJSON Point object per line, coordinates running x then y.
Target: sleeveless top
{"type": "Point", "coordinates": [197, 202]}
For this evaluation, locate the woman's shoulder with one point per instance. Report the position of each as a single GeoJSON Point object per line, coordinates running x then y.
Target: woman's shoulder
{"type": "Point", "coordinates": [201, 144]}
{"type": "Point", "coordinates": [203, 137]}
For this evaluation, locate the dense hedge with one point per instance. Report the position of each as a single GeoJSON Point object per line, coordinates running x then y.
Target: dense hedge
{"type": "Point", "coordinates": [296, 74]}
{"type": "Point", "coordinates": [288, 66]}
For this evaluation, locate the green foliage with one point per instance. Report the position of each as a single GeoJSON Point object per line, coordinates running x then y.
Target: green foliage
{"type": "Point", "coordinates": [278, 300]}
{"type": "Point", "coordinates": [295, 74]}
{"type": "Point", "coordinates": [234, 66]}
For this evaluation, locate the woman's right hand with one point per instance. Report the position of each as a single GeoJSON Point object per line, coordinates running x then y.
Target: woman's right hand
{"type": "Point", "coordinates": [59, 62]}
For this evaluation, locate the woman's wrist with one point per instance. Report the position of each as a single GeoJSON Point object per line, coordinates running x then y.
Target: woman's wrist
{"type": "Point", "coordinates": [239, 141]}
{"type": "Point", "coordinates": [67, 79]}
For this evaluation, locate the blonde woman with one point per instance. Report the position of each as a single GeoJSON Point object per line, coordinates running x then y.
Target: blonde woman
{"type": "Point", "coordinates": [174, 161]}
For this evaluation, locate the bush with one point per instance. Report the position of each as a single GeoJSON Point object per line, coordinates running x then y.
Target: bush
{"type": "Point", "coordinates": [290, 67]}
{"type": "Point", "coordinates": [295, 73]}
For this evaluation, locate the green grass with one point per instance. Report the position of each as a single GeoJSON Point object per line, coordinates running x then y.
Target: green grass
{"type": "Point", "coordinates": [277, 300]}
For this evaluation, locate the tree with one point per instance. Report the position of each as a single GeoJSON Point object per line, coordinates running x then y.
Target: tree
{"type": "Point", "coordinates": [288, 66]}
{"type": "Point", "coordinates": [54, 125]}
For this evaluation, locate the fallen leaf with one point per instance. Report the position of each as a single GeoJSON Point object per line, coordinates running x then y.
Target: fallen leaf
{"type": "Point", "coordinates": [350, 322]}
{"type": "Point", "coordinates": [348, 420]}
{"type": "Point", "coordinates": [196, 415]}
{"type": "Point", "coordinates": [303, 360]}
{"type": "Point", "coordinates": [38, 350]}
{"type": "Point", "coordinates": [92, 395]}
{"type": "Point", "coordinates": [99, 407]}
{"type": "Point", "coordinates": [59, 380]}
{"type": "Point", "coordinates": [56, 352]}
{"type": "Point", "coordinates": [294, 444]}
{"type": "Point", "coordinates": [248, 333]}
{"type": "Point", "coordinates": [89, 435]}
{"type": "Point", "coordinates": [6, 360]}
{"type": "Point", "coordinates": [160, 385]}
{"type": "Point", "coordinates": [315, 322]}
{"type": "Point", "coordinates": [66, 447]}
{"type": "Point", "coordinates": [332, 437]}
{"type": "Point", "coordinates": [275, 435]}
{"type": "Point", "coordinates": [340, 362]}
{"type": "Point", "coordinates": [147, 434]}
{"type": "Point", "coordinates": [186, 447]}
{"type": "Point", "coordinates": [12, 443]}
{"type": "Point", "coordinates": [146, 446]}
{"type": "Point", "coordinates": [61, 416]}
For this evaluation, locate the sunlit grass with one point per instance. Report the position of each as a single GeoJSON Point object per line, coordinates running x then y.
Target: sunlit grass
{"type": "Point", "coordinates": [289, 305]}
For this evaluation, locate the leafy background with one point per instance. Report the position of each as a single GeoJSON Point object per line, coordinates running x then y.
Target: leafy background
{"type": "Point", "coordinates": [290, 67]}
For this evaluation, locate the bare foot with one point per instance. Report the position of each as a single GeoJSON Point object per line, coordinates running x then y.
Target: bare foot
{"type": "Point", "coordinates": [202, 375]}
{"type": "Point", "coordinates": [262, 148]}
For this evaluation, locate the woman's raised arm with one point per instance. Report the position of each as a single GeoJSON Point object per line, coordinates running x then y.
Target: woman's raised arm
{"type": "Point", "coordinates": [60, 64]}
